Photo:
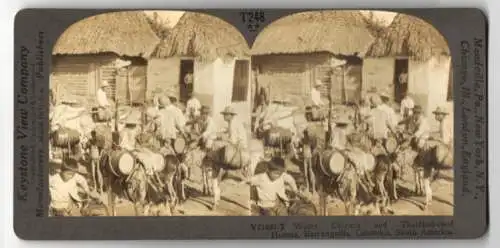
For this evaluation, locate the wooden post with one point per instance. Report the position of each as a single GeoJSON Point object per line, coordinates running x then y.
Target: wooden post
{"type": "Point", "coordinates": [330, 110]}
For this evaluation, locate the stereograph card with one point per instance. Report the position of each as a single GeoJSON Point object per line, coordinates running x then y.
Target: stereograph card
{"type": "Point", "coordinates": [250, 124]}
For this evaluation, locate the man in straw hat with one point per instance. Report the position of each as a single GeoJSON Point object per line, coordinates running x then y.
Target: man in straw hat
{"type": "Point", "coordinates": [380, 123]}
{"type": "Point", "coordinates": [207, 127]}
{"type": "Point", "coordinates": [340, 132]}
{"type": "Point", "coordinates": [419, 127]}
{"type": "Point", "coordinates": [236, 133]}
{"type": "Point", "coordinates": [316, 94]}
{"type": "Point", "coordinates": [271, 188]}
{"type": "Point", "coordinates": [171, 123]}
{"type": "Point", "coordinates": [386, 107]}
{"type": "Point", "coordinates": [128, 136]}
{"type": "Point", "coordinates": [445, 125]}
{"type": "Point", "coordinates": [65, 188]}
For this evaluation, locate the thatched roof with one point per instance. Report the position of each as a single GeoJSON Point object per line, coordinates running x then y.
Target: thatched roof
{"type": "Point", "coordinates": [338, 32]}
{"type": "Point", "coordinates": [411, 37]}
{"type": "Point", "coordinates": [125, 33]}
{"type": "Point", "coordinates": [203, 37]}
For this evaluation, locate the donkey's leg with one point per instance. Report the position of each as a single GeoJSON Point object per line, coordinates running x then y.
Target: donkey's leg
{"type": "Point", "coordinates": [312, 177]}
{"type": "Point", "coordinates": [111, 196]}
{"type": "Point", "coordinates": [418, 181]}
{"type": "Point", "coordinates": [427, 174]}
{"type": "Point", "coordinates": [306, 165]}
{"type": "Point", "coordinates": [93, 168]}
{"type": "Point", "coordinates": [217, 177]}
{"type": "Point", "coordinates": [204, 179]}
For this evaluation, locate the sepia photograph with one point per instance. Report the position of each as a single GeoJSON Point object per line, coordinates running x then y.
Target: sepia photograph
{"type": "Point", "coordinates": [150, 116]}
{"type": "Point", "coordinates": [352, 113]}
{"type": "Point", "coordinates": [327, 113]}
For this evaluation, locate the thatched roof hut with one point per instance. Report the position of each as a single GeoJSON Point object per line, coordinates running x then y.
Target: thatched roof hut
{"type": "Point", "coordinates": [126, 33]}
{"type": "Point", "coordinates": [336, 32]}
{"type": "Point", "coordinates": [411, 37]}
{"type": "Point", "coordinates": [203, 37]}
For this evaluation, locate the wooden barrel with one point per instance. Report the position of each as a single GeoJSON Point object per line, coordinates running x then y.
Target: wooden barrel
{"type": "Point", "coordinates": [235, 158]}
{"type": "Point", "coordinates": [121, 162]}
{"type": "Point", "coordinates": [64, 136]}
{"type": "Point", "coordinates": [158, 162]}
{"type": "Point", "coordinates": [179, 145]}
{"type": "Point", "coordinates": [333, 162]}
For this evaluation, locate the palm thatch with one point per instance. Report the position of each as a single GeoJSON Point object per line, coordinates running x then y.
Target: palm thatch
{"type": "Point", "coordinates": [203, 37]}
{"type": "Point", "coordinates": [125, 33]}
{"type": "Point", "coordinates": [412, 37]}
{"type": "Point", "coordinates": [337, 32]}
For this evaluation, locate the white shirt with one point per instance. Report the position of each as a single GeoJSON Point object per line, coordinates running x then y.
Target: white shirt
{"type": "Point", "coordinates": [391, 114]}
{"type": "Point", "coordinates": [237, 134]}
{"type": "Point", "coordinates": [316, 97]}
{"type": "Point", "coordinates": [208, 129]}
{"type": "Point", "coordinates": [407, 104]}
{"type": "Point", "coordinates": [171, 121]}
{"type": "Point", "coordinates": [423, 128]}
{"type": "Point", "coordinates": [62, 193]}
{"type": "Point", "coordinates": [102, 98]}
{"type": "Point", "coordinates": [268, 191]}
{"type": "Point", "coordinates": [193, 105]}
{"type": "Point", "coordinates": [446, 131]}
{"type": "Point", "coordinates": [379, 122]}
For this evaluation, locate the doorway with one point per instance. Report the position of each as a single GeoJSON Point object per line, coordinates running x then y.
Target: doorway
{"type": "Point", "coordinates": [186, 79]}
{"type": "Point", "coordinates": [400, 79]}
{"type": "Point", "coordinates": [240, 81]}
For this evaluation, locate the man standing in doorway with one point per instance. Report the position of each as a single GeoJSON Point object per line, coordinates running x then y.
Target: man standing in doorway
{"type": "Point", "coordinates": [104, 105]}
{"type": "Point", "coordinates": [316, 95]}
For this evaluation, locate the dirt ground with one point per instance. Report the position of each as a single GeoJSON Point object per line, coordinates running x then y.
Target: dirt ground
{"type": "Point", "coordinates": [408, 204]}
{"type": "Point", "coordinates": [234, 199]}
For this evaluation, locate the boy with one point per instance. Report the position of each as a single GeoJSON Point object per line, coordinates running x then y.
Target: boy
{"type": "Point", "coordinates": [65, 187]}
{"type": "Point", "coordinates": [270, 189]}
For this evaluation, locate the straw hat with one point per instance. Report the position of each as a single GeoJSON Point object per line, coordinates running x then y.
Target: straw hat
{"type": "Point", "coordinates": [384, 94]}
{"type": "Point", "coordinates": [342, 120]}
{"type": "Point", "coordinates": [228, 111]}
{"type": "Point", "coordinates": [440, 110]}
{"type": "Point", "coordinates": [104, 84]}
{"type": "Point", "coordinates": [163, 101]}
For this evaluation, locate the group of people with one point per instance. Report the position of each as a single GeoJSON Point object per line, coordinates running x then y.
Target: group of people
{"type": "Point", "coordinates": [374, 117]}
{"type": "Point", "coordinates": [164, 121]}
